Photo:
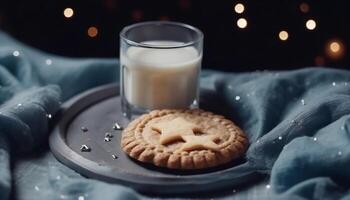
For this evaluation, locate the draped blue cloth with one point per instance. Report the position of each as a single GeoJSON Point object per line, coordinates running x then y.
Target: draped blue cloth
{"type": "Point", "coordinates": [297, 122]}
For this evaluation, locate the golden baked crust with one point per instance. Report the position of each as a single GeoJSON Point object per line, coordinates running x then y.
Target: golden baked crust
{"type": "Point", "coordinates": [183, 139]}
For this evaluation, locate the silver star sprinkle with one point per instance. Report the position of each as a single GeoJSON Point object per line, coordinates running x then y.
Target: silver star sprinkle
{"type": "Point", "coordinates": [303, 102]}
{"type": "Point", "coordinates": [84, 129]}
{"type": "Point", "coordinates": [116, 126]}
{"type": "Point", "coordinates": [340, 153]}
{"type": "Point", "coordinates": [108, 135]}
{"type": "Point", "coordinates": [268, 186]}
{"type": "Point", "coordinates": [315, 138]}
{"type": "Point", "coordinates": [342, 127]}
{"type": "Point", "coordinates": [49, 116]}
{"type": "Point", "coordinates": [237, 98]}
{"type": "Point", "coordinates": [85, 148]}
{"type": "Point", "coordinates": [36, 188]}
{"type": "Point", "coordinates": [280, 137]}
{"type": "Point", "coordinates": [334, 83]}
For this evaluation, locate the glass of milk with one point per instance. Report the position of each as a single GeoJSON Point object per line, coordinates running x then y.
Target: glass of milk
{"type": "Point", "coordinates": [160, 64]}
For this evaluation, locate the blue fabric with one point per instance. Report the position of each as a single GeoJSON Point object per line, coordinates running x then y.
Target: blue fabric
{"type": "Point", "coordinates": [297, 122]}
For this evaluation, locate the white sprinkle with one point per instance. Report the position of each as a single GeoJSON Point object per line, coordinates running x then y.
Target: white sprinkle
{"type": "Point", "coordinates": [303, 102]}
{"type": "Point", "coordinates": [234, 191]}
{"type": "Point", "coordinates": [108, 135]}
{"type": "Point", "coordinates": [15, 53]}
{"type": "Point", "coordinates": [342, 127]}
{"type": "Point", "coordinates": [334, 83]}
{"type": "Point", "coordinates": [49, 116]}
{"type": "Point", "coordinates": [81, 198]}
{"type": "Point", "coordinates": [280, 137]}
{"type": "Point", "coordinates": [258, 141]}
{"type": "Point", "coordinates": [346, 83]}
{"type": "Point", "coordinates": [315, 138]}
{"type": "Point", "coordinates": [116, 126]}
{"type": "Point", "coordinates": [63, 196]}
{"type": "Point", "coordinates": [268, 186]}
{"type": "Point", "coordinates": [48, 61]}
{"type": "Point", "coordinates": [58, 177]}
{"type": "Point", "coordinates": [229, 87]}
{"type": "Point", "coordinates": [36, 188]}
{"type": "Point", "coordinates": [339, 153]}
{"type": "Point", "coordinates": [85, 148]}
{"type": "Point", "coordinates": [237, 98]}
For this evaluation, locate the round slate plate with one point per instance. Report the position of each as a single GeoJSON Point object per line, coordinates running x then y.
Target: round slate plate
{"type": "Point", "coordinates": [97, 110]}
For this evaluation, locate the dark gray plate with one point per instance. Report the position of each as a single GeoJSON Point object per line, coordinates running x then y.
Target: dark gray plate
{"type": "Point", "coordinates": [97, 109]}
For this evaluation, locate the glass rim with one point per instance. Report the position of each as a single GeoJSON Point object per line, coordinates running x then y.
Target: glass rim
{"type": "Point", "coordinates": [123, 32]}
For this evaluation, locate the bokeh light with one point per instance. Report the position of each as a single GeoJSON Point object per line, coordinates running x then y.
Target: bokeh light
{"type": "Point", "coordinates": [283, 35]}
{"type": "Point", "coordinates": [335, 48]}
{"type": "Point", "coordinates": [319, 61]}
{"type": "Point", "coordinates": [137, 15]}
{"type": "Point", "coordinates": [92, 31]}
{"type": "Point", "coordinates": [304, 7]}
{"type": "Point", "coordinates": [16, 53]}
{"type": "Point", "coordinates": [310, 24]}
{"type": "Point", "coordinates": [242, 23]}
{"type": "Point", "coordinates": [239, 8]}
{"type": "Point", "coordinates": [68, 12]}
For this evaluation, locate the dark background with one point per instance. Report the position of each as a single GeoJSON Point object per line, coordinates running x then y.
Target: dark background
{"type": "Point", "coordinates": [41, 23]}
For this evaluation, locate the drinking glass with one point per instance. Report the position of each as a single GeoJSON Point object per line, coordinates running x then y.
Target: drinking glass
{"type": "Point", "coordinates": [160, 64]}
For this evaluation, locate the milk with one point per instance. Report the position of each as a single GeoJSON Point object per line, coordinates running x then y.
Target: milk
{"type": "Point", "coordinates": [160, 78]}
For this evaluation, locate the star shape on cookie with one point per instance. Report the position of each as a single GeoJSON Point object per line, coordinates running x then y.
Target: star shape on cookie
{"type": "Point", "coordinates": [174, 130]}
{"type": "Point", "coordinates": [195, 142]}
{"type": "Point", "coordinates": [181, 129]}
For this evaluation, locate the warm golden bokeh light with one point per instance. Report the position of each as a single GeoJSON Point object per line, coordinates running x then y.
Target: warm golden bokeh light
{"type": "Point", "coordinates": [68, 12]}
{"type": "Point", "coordinates": [304, 7]}
{"type": "Point", "coordinates": [92, 31]}
{"type": "Point", "coordinates": [242, 23]}
{"type": "Point", "coordinates": [283, 35]}
{"type": "Point", "coordinates": [335, 49]}
{"type": "Point", "coordinates": [310, 24]}
{"type": "Point", "coordinates": [239, 8]}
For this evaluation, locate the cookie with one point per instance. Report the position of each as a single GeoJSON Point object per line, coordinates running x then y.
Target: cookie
{"type": "Point", "coordinates": [183, 139]}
